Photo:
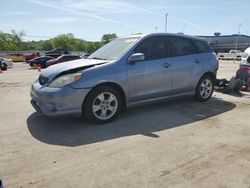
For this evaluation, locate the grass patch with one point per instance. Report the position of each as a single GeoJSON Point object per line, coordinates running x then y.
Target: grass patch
{"type": "Point", "coordinates": [15, 58]}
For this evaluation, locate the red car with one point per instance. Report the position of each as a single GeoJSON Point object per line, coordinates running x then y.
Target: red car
{"type": "Point", "coordinates": [61, 59]}
{"type": "Point", "coordinates": [28, 57]}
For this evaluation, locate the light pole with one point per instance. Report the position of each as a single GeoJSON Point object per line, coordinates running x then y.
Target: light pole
{"type": "Point", "coordinates": [166, 22]}
{"type": "Point", "coordinates": [237, 39]}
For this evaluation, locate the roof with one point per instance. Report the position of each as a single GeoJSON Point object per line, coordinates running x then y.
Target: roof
{"type": "Point", "coordinates": [220, 36]}
{"type": "Point", "coordinates": [165, 34]}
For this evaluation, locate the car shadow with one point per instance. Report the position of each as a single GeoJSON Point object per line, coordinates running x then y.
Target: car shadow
{"type": "Point", "coordinates": [145, 120]}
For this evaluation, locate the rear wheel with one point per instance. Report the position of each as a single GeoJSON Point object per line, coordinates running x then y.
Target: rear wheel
{"type": "Point", "coordinates": [102, 105]}
{"type": "Point", "coordinates": [205, 88]}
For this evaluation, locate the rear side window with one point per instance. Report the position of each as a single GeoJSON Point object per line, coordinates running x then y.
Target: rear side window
{"type": "Point", "coordinates": [65, 51]}
{"type": "Point", "coordinates": [153, 48]}
{"type": "Point", "coordinates": [180, 46]}
{"type": "Point", "coordinates": [202, 46]}
{"type": "Point", "coordinates": [67, 58]}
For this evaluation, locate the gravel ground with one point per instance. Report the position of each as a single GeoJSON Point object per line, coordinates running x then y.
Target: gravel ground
{"type": "Point", "coordinates": [181, 143]}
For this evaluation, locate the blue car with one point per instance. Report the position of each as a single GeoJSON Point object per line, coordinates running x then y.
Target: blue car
{"type": "Point", "coordinates": [39, 61]}
{"type": "Point", "coordinates": [127, 72]}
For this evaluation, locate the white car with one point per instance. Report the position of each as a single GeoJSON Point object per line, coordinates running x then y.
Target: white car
{"type": "Point", "coordinates": [245, 59]}
{"type": "Point", "coordinates": [232, 54]}
{"type": "Point", "coordinates": [6, 62]}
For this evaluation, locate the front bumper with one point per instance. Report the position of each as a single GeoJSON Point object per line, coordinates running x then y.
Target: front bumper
{"type": "Point", "coordinates": [57, 101]}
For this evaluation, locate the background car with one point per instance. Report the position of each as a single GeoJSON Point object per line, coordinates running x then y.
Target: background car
{"type": "Point", "coordinates": [245, 60]}
{"type": "Point", "coordinates": [40, 61]}
{"type": "Point", "coordinates": [58, 51]}
{"type": "Point", "coordinates": [5, 63]}
{"type": "Point", "coordinates": [84, 56]}
{"type": "Point", "coordinates": [31, 56]}
{"type": "Point", "coordinates": [61, 59]}
{"type": "Point", "coordinates": [232, 54]}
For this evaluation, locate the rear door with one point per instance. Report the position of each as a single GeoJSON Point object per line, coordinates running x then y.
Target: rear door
{"type": "Point", "coordinates": [186, 64]}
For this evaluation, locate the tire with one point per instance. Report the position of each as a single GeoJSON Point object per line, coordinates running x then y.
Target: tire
{"type": "Point", "coordinates": [205, 88]}
{"type": "Point", "coordinates": [4, 66]}
{"type": "Point", "coordinates": [98, 109]}
{"type": "Point", "coordinates": [38, 66]}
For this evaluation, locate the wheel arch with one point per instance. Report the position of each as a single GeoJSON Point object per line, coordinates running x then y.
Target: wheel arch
{"type": "Point", "coordinates": [115, 86]}
{"type": "Point", "coordinates": [211, 74]}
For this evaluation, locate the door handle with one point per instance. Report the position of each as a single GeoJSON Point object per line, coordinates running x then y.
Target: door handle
{"type": "Point", "coordinates": [166, 65]}
{"type": "Point", "coordinates": [197, 61]}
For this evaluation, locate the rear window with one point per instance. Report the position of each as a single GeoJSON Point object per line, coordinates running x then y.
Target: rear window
{"type": "Point", "coordinates": [180, 46]}
{"type": "Point", "coordinates": [202, 46]}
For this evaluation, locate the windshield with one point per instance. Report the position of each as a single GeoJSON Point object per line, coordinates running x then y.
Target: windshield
{"type": "Point", "coordinates": [238, 51]}
{"type": "Point", "coordinates": [114, 49]}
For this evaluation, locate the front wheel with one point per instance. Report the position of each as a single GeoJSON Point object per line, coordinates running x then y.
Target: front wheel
{"type": "Point", "coordinates": [102, 105]}
{"type": "Point", "coordinates": [4, 66]}
{"type": "Point", "coordinates": [205, 88]}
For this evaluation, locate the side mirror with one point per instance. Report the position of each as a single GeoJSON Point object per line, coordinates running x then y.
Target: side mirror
{"type": "Point", "coordinates": [136, 57]}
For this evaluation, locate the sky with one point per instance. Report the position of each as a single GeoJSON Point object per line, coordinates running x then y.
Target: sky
{"type": "Point", "coordinates": [90, 19]}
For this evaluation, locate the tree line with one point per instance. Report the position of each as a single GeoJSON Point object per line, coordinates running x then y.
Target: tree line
{"type": "Point", "coordinates": [14, 42]}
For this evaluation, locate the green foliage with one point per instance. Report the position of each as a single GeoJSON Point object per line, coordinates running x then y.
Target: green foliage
{"type": "Point", "coordinates": [106, 38]}
{"type": "Point", "coordinates": [13, 41]}
{"type": "Point", "coordinates": [15, 58]}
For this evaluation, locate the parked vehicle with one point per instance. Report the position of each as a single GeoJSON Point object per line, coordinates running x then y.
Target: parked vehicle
{"type": "Point", "coordinates": [61, 59]}
{"type": "Point", "coordinates": [1, 67]}
{"type": "Point", "coordinates": [245, 60]}
{"type": "Point", "coordinates": [31, 56]}
{"type": "Point", "coordinates": [5, 63]}
{"type": "Point", "coordinates": [127, 72]}
{"type": "Point", "coordinates": [58, 51]}
{"type": "Point", "coordinates": [39, 61]}
{"type": "Point", "coordinates": [233, 54]}
{"type": "Point", "coordinates": [84, 56]}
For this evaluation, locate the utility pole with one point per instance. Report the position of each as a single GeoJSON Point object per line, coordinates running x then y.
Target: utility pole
{"type": "Point", "coordinates": [237, 39]}
{"type": "Point", "coordinates": [166, 23]}
{"type": "Point", "coordinates": [184, 26]}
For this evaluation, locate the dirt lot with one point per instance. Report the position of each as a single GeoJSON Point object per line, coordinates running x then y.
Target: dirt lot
{"type": "Point", "coordinates": [181, 143]}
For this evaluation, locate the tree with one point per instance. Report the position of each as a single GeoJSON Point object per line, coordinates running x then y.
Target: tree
{"type": "Point", "coordinates": [63, 41]}
{"type": "Point", "coordinates": [17, 38]}
{"type": "Point", "coordinates": [106, 38]}
{"type": "Point", "coordinates": [13, 41]}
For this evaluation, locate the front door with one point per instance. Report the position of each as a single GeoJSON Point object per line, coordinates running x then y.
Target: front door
{"type": "Point", "coordinates": [150, 78]}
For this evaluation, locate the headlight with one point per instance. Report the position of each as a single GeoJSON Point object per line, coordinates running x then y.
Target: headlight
{"type": "Point", "coordinates": [65, 80]}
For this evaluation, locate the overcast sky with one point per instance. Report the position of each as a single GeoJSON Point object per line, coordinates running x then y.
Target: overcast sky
{"type": "Point", "coordinates": [90, 19]}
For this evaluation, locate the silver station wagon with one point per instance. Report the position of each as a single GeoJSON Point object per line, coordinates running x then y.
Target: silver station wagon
{"type": "Point", "coordinates": [128, 71]}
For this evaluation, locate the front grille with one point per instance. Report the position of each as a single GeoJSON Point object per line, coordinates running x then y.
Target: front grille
{"type": "Point", "coordinates": [43, 80]}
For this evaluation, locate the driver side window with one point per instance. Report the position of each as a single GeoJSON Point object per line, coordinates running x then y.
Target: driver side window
{"type": "Point", "coordinates": [153, 48]}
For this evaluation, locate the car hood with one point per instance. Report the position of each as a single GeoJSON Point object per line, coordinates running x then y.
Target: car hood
{"type": "Point", "coordinates": [54, 70]}
{"type": "Point", "coordinates": [6, 59]}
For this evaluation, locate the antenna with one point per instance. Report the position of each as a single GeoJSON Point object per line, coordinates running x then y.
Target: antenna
{"type": "Point", "coordinates": [184, 26]}
{"type": "Point", "coordinates": [166, 22]}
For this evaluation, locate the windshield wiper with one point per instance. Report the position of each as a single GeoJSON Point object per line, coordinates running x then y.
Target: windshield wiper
{"type": "Point", "coordinates": [98, 58]}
